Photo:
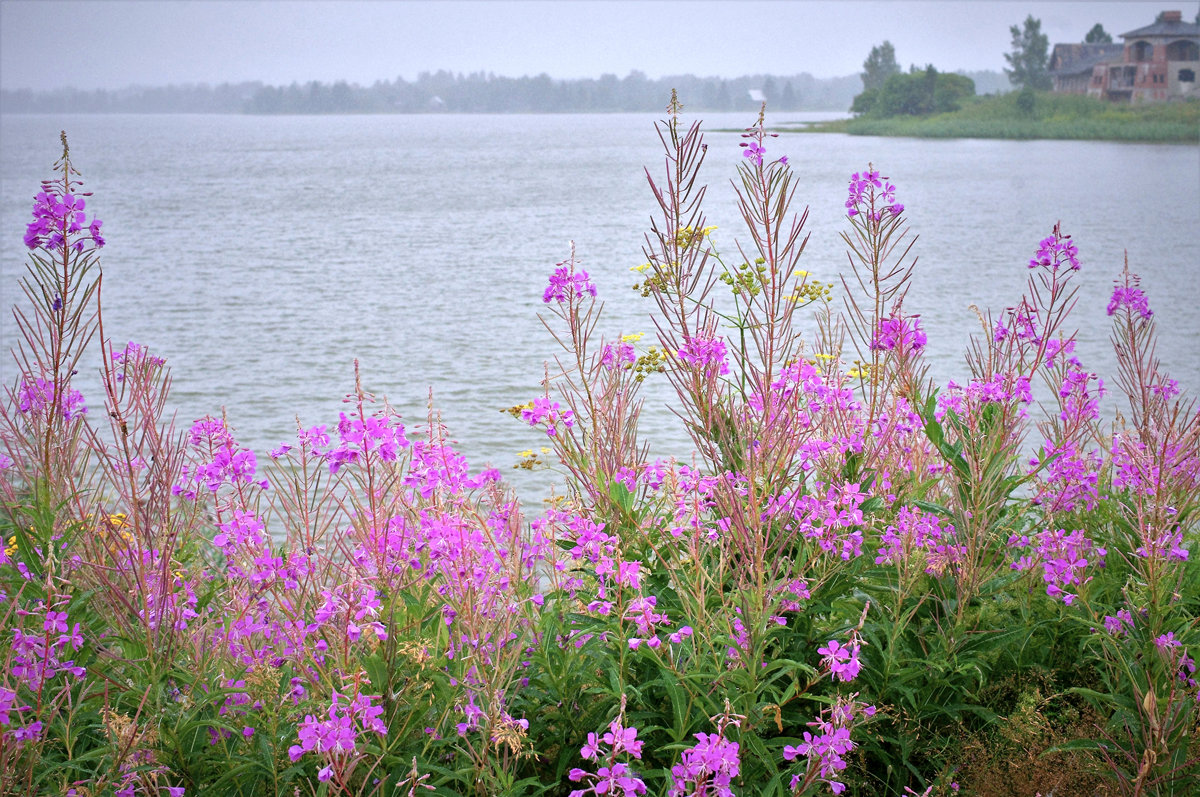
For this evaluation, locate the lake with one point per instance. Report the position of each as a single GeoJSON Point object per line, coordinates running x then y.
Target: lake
{"type": "Point", "coordinates": [262, 255]}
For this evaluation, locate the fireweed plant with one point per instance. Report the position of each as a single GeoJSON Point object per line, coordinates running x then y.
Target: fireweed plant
{"type": "Point", "coordinates": [856, 582]}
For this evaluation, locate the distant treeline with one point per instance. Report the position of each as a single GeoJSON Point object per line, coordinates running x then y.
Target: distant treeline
{"type": "Point", "coordinates": [478, 92]}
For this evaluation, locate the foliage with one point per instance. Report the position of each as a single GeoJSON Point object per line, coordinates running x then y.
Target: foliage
{"type": "Point", "coordinates": [919, 93]}
{"type": "Point", "coordinates": [1029, 59]}
{"type": "Point", "coordinates": [1026, 101]}
{"type": "Point", "coordinates": [857, 581]}
{"type": "Point", "coordinates": [1097, 35]}
{"type": "Point", "coordinates": [879, 66]}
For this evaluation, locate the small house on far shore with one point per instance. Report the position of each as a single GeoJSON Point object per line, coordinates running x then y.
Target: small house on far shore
{"type": "Point", "coordinates": [1156, 63]}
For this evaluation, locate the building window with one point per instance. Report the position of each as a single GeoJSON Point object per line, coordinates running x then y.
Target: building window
{"type": "Point", "coordinates": [1187, 76]}
{"type": "Point", "coordinates": [1142, 51]}
{"type": "Point", "coordinates": [1183, 50]}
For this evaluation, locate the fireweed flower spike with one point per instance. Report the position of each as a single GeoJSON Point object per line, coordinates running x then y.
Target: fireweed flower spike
{"type": "Point", "coordinates": [612, 774]}
{"type": "Point", "coordinates": [828, 745]}
{"type": "Point", "coordinates": [1055, 251]}
{"type": "Point", "coordinates": [566, 284]}
{"type": "Point", "coordinates": [871, 194]}
{"type": "Point", "coordinates": [58, 217]}
{"type": "Point", "coordinates": [707, 768]}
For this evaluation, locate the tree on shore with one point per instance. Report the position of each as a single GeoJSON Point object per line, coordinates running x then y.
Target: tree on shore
{"type": "Point", "coordinates": [920, 92]}
{"type": "Point", "coordinates": [880, 65]}
{"type": "Point", "coordinates": [1097, 35]}
{"type": "Point", "coordinates": [1029, 56]}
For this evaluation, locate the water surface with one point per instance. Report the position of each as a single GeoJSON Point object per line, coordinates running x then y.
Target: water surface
{"type": "Point", "coordinates": [263, 255]}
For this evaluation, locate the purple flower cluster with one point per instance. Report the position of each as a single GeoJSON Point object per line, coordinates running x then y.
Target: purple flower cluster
{"type": "Point", "coordinates": [1131, 299]}
{"type": "Point", "coordinates": [1071, 479]}
{"type": "Point", "coordinates": [706, 768]}
{"type": "Point", "coordinates": [359, 436]}
{"type": "Point", "coordinates": [227, 464]}
{"type": "Point", "coordinates": [136, 361]}
{"type": "Point", "coordinates": [1054, 251]}
{"type": "Point", "coordinates": [618, 356]}
{"type": "Point", "coordinates": [1117, 625]}
{"type": "Point", "coordinates": [37, 657]}
{"type": "Point", "coordinates": [1146, 469]}
{"type": "Point", "coordinates": [641, 612]}
{"type": "Point", "coordinates": [437, 469]}
{"type": "Point", "coordinates": [167, 599]}
{"type": "Point", "coordinates": [567, 285]}
{"type": "Point", "coordinates": [612, 775]}
{"type": "Point", "coordinates": [793, 593]}
{"type": "Point", "coordinates": [352, 608]}
{"type": "Point", "coordinates": [871, 194]}
{"type": "Point", "coordinates": [1064, 557]}
{"type": "Point", "coordinates": [545, 411]}
{"type": "Point", "coordinates": [1079, 402]}
{"type": "Point", "coordinates": [693, 497]}
{"type": "Point", "coordinates": [826, 750]}
{"type": "Point", "coordinates": [916, 531]}
{"type": "Point", "coordinates": [1166, 544]}
{"type": "Point", "coordinates": [136, 353]}
{"type": "Point", "coordinates": [334, 738]}
{"type": "Point", "coordinates": [842, 660]}
{"type": "Point", "coordinates": [706, 354]}
{"type": "Point", "coordinates": [1022, 322]}
{"type": "Point", "coordinates": [1059, 349]}
{"type": "Point", "coordinates": [1182, 664]}
{"type": "Point", "coordinates": [829, 515]}
{"type": "Point", "coordinates": [38, 396]}
{"type": "Point", "coordinates": [901, 334]}
{"type": "Point", "coordinates": [9, 712]}
{"type": "Point", "coordinates": [37, 653]}
{"type": "Point", "coordinates": [56, 218]}
{"type": "Point", "coordinates": [967, 402]}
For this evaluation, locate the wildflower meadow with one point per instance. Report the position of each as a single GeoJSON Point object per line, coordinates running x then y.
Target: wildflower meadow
{"type": "Point", "coordinates": [856, 581]}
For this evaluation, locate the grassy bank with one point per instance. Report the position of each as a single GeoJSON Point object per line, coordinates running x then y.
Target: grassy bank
{"type": "Point", "coordinates": [1052, 116]}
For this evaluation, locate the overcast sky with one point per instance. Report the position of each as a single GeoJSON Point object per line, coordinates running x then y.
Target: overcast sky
{"type": "Point", "coordinates": [106, 44]}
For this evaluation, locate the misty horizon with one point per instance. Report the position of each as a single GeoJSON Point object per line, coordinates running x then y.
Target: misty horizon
{"type": "Point", "coordinates": [124, 44]}
{"type": "Point", "coordinates": [475, 93]}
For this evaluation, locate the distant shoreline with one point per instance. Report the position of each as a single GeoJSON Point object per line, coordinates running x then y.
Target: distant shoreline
{"type": "Point", "coordinates": [1054, 116]}
{"type": "Point", "coordinates": [479, 92]}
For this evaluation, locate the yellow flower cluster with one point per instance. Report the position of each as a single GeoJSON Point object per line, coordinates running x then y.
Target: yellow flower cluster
{"type": "Point", "coordinates": [687, 237]}
{"type": "Point", "coordinates": [530, 459]}
{"type": "Point", "coordinates": [515, 411]}
{"type": "Point", "coordinates": [861, 370]}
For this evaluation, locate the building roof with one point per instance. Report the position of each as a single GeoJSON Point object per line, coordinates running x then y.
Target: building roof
{"type": "Point", "coordinates": [1166, 28]}
{"type": "Point", "coordinates": [1072, 59]}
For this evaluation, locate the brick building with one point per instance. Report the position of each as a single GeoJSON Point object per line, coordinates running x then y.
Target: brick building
{"type": "Point", "coordinates": [1156, 63]}
{"type": "Point", "coordinates": [1071, 64]}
